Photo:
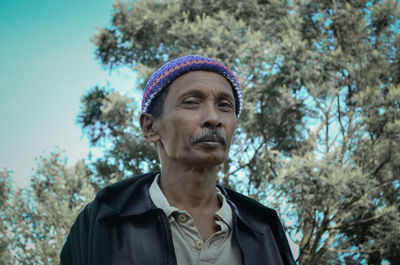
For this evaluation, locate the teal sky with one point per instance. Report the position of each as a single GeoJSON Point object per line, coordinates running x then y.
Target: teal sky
{"type": "Point", "coordinates": [47, 63]}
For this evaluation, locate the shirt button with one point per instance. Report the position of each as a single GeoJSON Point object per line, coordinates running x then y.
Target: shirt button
{"type": "Point", "coordinates": [199, 244]}
{"type": "Point", "coordinates": [182, 218]}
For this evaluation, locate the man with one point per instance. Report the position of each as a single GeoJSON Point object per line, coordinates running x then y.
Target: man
{"type": "Point", "coordinates": [179, 215]}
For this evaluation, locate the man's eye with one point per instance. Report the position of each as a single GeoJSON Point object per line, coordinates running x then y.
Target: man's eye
{"type": "Point", "coordinates": [189, 102]}
{"type": "Point", "coordinates": [226, 105]}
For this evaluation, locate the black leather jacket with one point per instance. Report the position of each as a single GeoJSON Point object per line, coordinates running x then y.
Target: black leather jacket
{"type": "Point", "coordinates": [139, 233]}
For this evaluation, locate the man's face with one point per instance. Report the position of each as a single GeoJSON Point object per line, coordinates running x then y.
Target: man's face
{"type": "Point", "coordinates": [198, 119]}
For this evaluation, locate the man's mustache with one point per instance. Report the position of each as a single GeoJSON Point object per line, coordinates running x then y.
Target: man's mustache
{"type": "Point", "coordinates": [209, 136]}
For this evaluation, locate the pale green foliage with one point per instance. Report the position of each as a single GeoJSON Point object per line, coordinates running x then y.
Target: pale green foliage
{"type": "Point", "coordinates": [5, 207]}
{"type": "Point", "coordinates": [329, 198]}
{"type": "Point", "coordinates": [107, 117]}
{"type": "Point", "coordinates": [344, 184]}
{"type": "Point", "coordinates": [114, 106]}
{"type": "Point", "coordinates": [38, 220]}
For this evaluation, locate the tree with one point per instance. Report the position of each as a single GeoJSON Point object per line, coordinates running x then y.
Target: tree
{"type": "Point", "coordinates": [107, 118]}
{"type": "Point", "coordinates": [37, 221]}
{"type": "Point", "coordinates": [5, 191]}
{"type": "Point", "coordinates": [320, 126]}
{"type": "Point", "coordinates": [346, 188]}
{"type": "Point", "coordinates": [145, 34]}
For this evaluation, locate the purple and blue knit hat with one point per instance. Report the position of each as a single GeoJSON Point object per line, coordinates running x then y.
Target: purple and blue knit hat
{"type": "Point", "coordinates": [177, 67]}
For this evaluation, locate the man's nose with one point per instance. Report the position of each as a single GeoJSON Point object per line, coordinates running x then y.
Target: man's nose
{"type": "Point", "coordinates": [212, 118]}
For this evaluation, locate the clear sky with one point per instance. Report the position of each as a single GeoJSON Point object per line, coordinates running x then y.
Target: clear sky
{"type": "Point", "coordinates": [47, 63]}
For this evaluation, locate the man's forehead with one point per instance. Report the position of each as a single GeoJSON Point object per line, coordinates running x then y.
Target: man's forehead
{"type": "Point", "coordinates": [197, 81]}
{"type": "Point", "coordinates": [172, 70]}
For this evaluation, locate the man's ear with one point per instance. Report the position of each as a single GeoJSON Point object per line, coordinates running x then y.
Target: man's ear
{"type": "Point", "coordinates": [149, 128]}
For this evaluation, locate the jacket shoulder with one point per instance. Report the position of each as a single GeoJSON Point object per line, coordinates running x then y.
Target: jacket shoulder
{"type": "Point", "coordinates": [108, 201]}
{"type": "Point", "coordinates": [250, 206]}
{"type": "Point", "coordinates": [117, 188]}
{"type": "Point", "coordinates": [262, 217]}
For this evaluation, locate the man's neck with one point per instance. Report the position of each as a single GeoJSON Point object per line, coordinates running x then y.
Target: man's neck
{"type": "Point", "coordinates": [190, 188]}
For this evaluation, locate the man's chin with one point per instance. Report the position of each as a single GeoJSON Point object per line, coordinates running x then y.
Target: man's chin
{"type": "Point", "coordinates": [207, 159]}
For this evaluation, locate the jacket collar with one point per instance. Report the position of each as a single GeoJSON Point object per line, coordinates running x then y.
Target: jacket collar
{"type": "Point", "coordinates": [131, 197]}
{"type": "Point", "coordinates": [138, 202]}
{"type": "Point", "coordinates": [125, 197]}
{"type": "Point", "coordinates": [236, 213]}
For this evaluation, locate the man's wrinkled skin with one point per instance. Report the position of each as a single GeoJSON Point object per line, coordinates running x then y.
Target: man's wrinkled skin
{"type": "Point", "coordinates": [193, 136]}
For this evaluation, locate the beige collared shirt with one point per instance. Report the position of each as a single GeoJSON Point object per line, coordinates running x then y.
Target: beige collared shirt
{"type": "Point", "coordinates": [219, 249]}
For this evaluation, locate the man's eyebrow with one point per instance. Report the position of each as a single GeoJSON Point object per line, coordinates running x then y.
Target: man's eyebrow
{"type": "Point", "coordinates": [226, 95]}
{"type": "Point", "coordinates": [193, 92]}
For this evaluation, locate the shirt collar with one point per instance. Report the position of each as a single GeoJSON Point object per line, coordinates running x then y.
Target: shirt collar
{"type": "Point", "coordinates": [160, 201]}
{"type": "Point", "coordinates": [158, 198]}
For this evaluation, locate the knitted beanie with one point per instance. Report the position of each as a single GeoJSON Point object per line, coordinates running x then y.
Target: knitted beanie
{"type": "Point", "coordinates": [170, 71]}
